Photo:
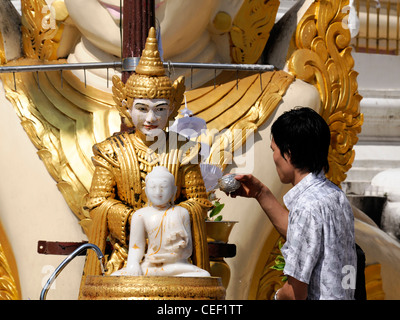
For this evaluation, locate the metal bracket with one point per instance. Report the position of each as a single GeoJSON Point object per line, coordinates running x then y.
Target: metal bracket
{"type": "Point", "coordinates": [58, 248]}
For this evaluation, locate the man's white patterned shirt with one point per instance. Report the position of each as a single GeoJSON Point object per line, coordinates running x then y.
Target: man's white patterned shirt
{"type": "Point", "coordinates": [320, 248]}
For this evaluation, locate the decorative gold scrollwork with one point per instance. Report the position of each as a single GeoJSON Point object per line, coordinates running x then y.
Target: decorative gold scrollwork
{"type": "Point", "coordinates": [2, 51]}
{"type": "Point", "coordinates": [40, 30]}
{"type": "Point", "coordinates": [323, 59]}
{"type": "Point", "coordinates": [9, 281]}
{"type": "Point", "coordinates": [249, 39]}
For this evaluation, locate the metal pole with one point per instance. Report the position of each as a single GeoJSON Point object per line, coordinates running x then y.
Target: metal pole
{"type": "Point", "coordinates": [118, 65]}
{"type": "Point", "coordinates": [58, 67]}
{"type": "Point", "coordinates": [66, 261]}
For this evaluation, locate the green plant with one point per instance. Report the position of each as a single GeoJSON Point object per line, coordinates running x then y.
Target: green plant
{"type": "Point", "coordinates": [214, 214]}
{"type": "Point", "coordinates": [280, 263]}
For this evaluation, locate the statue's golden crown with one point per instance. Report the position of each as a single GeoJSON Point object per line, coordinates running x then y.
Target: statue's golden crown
{"type": "Point", "coordinates": [149, 80]}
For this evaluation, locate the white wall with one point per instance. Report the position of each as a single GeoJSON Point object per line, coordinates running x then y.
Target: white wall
{"type": "Point", "coordinates": [379, 84]}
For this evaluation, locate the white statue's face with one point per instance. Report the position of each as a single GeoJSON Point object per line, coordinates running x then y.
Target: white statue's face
{"type": "Point", "coordinates": [181, 22]}
{"type": "Point", "coordinates": [150, 116]}
{"type": "Point", "coordinates": [160, 190]}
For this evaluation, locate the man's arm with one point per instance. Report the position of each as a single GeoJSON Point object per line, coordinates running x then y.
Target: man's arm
{"type": "Point", "coordinates": [251, 187]}
{"type": "Point", "coordinates": [293, 289]}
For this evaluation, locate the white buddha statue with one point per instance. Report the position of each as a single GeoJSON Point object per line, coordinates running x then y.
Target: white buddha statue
{"type": "Point", "coordinates": [166, 227]}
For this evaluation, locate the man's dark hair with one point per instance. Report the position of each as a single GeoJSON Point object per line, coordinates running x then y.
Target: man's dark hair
{"type": "Point", "coordinates": [304, 135]}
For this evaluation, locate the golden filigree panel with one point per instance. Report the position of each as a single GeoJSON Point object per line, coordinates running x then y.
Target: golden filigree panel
{"type": "Point", "coordinates": [2, 51]}
{"type": "Point", "coordinates": [63, 123]}
{"type": "Point", "coordinates": [40, 29]}
{"type": "Point", "coordinates": [9, 280]}
{"type": "Point", "coordinates": [235, 109]}
{"type": "Point", "coordinates": [250, 29]}
{"type": "Point", "coordinates": [323, 58]}
{"type": "Point", "coordinates": [266, 281]}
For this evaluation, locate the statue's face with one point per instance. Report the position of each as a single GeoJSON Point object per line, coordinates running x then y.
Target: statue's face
{"type": "Point", "coordinates": [160, 190]}
{"type": "Point", "coordinates": [150, 116]}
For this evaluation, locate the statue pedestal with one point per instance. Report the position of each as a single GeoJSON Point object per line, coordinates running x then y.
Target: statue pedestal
{"type": "Point", "coordinates": [152, 288]}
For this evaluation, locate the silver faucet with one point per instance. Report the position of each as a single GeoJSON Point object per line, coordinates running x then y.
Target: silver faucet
{"type": "Point", "coordinates": [67, 260]}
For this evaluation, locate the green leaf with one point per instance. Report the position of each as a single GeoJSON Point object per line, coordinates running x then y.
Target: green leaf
{"type": "Point", "coordinates": [279, 259]}
{"type": "Point", "coordinates": [217, 209]}
{"type": "Point", "coordinates": [219, 218]}
{"type": "Point", "coordinates": [278, 266]}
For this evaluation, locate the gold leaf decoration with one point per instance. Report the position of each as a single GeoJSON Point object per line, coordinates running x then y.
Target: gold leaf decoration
{"type": "Point", "coordinates": [3, 58]}
{"type": "Point", "coordinates": [323, 59]}
{"type": "Point", "coordinates": [235, 109]}
{"type": "Point", "coordinates": [62, 128]}
{"type": "Point", "coordinates": [270, 280]}
{"type": "Point", "coordinates": [9, 281]}
{"type": "Point", "coordinates": [39, 30]}
{"type": "Point", "coordinates": [251, 28]}
{"type": "Point", "coordinates": [8, 289]}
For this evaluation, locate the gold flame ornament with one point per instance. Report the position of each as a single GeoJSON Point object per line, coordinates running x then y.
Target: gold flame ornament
{"type": "Point", "coordinates": [148, 82]}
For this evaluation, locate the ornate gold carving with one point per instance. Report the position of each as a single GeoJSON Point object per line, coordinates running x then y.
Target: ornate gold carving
{"type": "Point", "coordinates": [265, 280]}
{"type": "Point", "coordinates": [250, 29]}
{"type": "Point", "coordinates": [150, 63]}
{"type": "Point", "coordinates": [323, 59]}
{"type": "Point", "coordinates": [2, 51]}
{"type": "Point", "coordinates": [152, 288]}
{"type": "Point", "coordinates": [9, 281]}
{"type": "Point", "coordinates": [239, 105]}
{"type": "Point", "coordinates": [8, 288]}
{"type": "Point", "coordinates": [270, 280]}
{"type": "Point", "coordinates": [63, 123]}
{"type": "Point", "coordinates": [40, 31]}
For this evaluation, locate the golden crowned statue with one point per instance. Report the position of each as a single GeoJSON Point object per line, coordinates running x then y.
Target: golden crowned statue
{"type": "Point", "coordinates": [123, 161]}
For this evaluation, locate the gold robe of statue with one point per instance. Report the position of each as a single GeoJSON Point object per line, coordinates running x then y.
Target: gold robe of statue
{"type": "Point", "coordinates": [123, 160]}
{"type": "Point", "coordinates": [122, 163]}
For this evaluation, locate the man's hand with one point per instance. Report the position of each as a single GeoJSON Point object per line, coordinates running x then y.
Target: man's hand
{"type": "Point", "coordinates": [250, 186]}
{"type": "Point", "coordinates": [293, 289]}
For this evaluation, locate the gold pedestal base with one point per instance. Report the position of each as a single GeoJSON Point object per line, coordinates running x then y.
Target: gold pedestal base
{"type": "Point", "coordinates": [152, 288]}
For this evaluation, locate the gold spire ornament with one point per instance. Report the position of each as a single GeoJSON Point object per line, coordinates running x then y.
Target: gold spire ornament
{"type": "Point", "coordinates": [150, 63]}
{"type": "Point", "coordinates": [148, 82]}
